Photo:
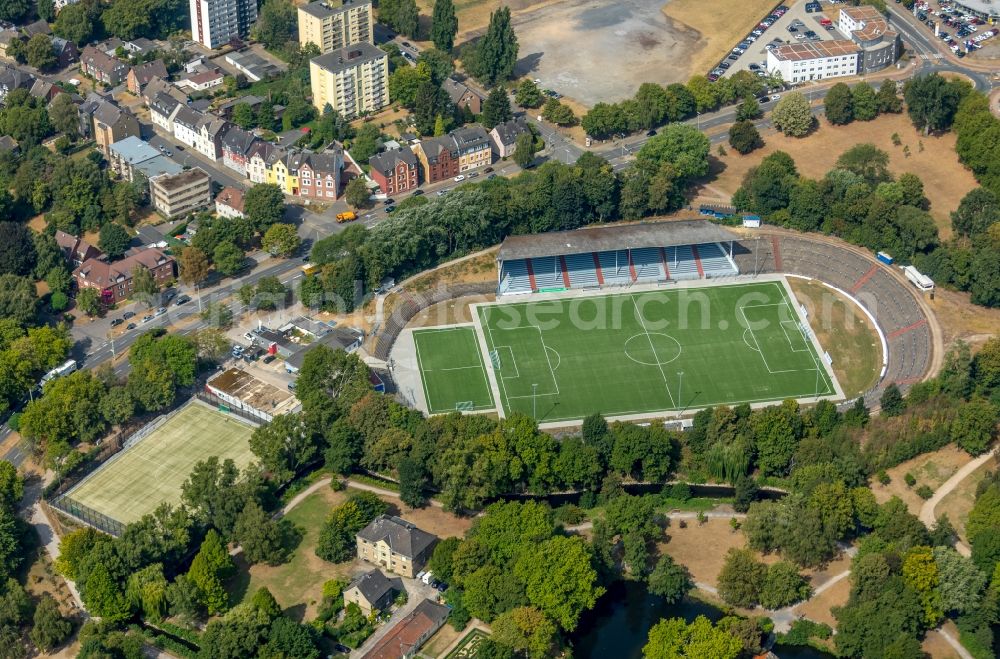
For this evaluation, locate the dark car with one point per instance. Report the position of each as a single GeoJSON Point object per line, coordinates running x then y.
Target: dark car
{"type": "Point", "coordinates": [417, 192]}
{"type": "Point", "coordinates": [339, 647]}
{"type": "Point", "coordinates": [488, 170]}
{"type": "Point", "coordinates": [128, 314]}
{"type": "Point", "coordinates": [116, 322]}
{"type": "Point", "coordinates": [130, 326]}
{"type": "Point", "coordinates": [180, 148]}
{"type": "Point", "coordinates": [491, 176]}
{"type": "Point", "coordinates": [389, 209]}
{"type": "Point", "coordinates": [406, 44]}
{"type": "Point", "coordinates": [650, 133]}
{"type": "Point", "coordinates": [442, 586]}
{"type": "Point", "coordinates": [389, 202]}
{"type": "Point", "coordinates": [184, 299]}
{"type": "Point", "coordinates": [269, 359]}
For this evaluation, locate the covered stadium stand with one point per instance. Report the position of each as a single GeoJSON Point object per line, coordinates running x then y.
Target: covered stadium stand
{"type": "Point", "coordinates": [615, 256]}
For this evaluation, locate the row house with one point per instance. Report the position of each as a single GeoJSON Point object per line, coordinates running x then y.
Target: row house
{"type": "Point", "coordinates": [140, 75]}
{"type": "Point", "coordinates": [12, 78]}
{"type": "Point", "coordinates": [474, 150]}
{"type": "Point", "coordinates": [395, 171]}
{"type": "Point", "coordinates": [163, 108]}
{"type": "Point", "coordinates": [112, 123]}
{"type": "Point", "coordinates": [187, 126]}
{"type": "Point", "coordinates": [438, 158]}
{"type": "Point", "coordinates": [210, 133]}
{"type": "Point", "coordinates": [504, 136]}
{"type": "Point", "coordinates": [103, 67]}
{"type": "Point", "coordinates": [65, 51]}
{"type": "Point", "coordinates": [237, 146]}
{"type": "Point", "coordinates": [258, 161]}
{"type": "Point", "coordinates": [318, 173]}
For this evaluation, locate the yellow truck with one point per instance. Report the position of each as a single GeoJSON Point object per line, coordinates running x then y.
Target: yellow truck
{"type": "Point", "coordinates": [309, 268]}
{"type": "Point", "coordinates": [349, 216]}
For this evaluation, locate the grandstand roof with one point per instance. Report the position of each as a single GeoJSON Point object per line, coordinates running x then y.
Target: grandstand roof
{"type": "Point", "coordinates": [608, 238]}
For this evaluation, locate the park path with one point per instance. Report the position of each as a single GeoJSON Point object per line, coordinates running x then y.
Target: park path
{"type": "Point", "coordinates": [31, 509]}
{"type": "Point", "coordinates": [927, 510]}
{"type": "Point", "coordinates": [955, 645]}
{"type": "Point", "coordinates": [586, 526]}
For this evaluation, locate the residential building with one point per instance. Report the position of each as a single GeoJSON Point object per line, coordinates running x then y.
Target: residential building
{"type": "Point", "coordinates": [203, 80]}
{"type": "Point", "coordinates": [258, 164]}
{"type": "Point", "coordinates": [815, 60]}
{"type": "Point", "coordinates": [225, 110]}
{"type": "Point", "coordinates": [333, 25]}
{"type": "Point", "coordinates": [395, 545]}
{"type": "Point", "coordinates": [462, 97]}
{"type": "Point", "coordinates": [163, 108]}
{"type": "Point", "coordinates": [373, 591]}
{"type": "Point", "coordinates": [253, 66]}
{"type": "Point", "coordinates": [229, 203]}
{"type": "Point", "coordinates": [176, 194]}
{"type": "Point", "coordinates": [211, 129]}
{"type": "Point", "coordinates": [214, 23]}
{"type": "Point", "coordinates": [318, 173]}
{"type": "Point", "coordinates": [37, 27]}
{"type": "Point", "coordinates": [237, 145]}
{"type": "Point", "coordinates": [869, 28]}
{"type": "Point", "coordinates": [7, 37]}
{"type": "Point", "coordinates": [410, 633]}
{"type": "Point", "coordinates": [395, 171]}
{"type": "Point", "coordinates": [438, 158]}
{"type": "Point", "coordinates": [103, 67]}
{"type": "Point", "coordinates": [474, 150]}
{"type": "Point", "coordinates": [504, 136]}
{"type": "Point", "coordinates": [12, 78]}
{"type": "Point", "coordinates": [114, 280]}
{"type": "Point", "coordinates": [44, 91]}
{"type": "Point", "coordinates": [111, 46]}
{"type": "Point", "coordinates": [352, 80]}
{"type": "Point", "coordinates": [65, 51]}
{"type": "Point", "coordinates": [140, 75]}
{"type": "Point", "coordinates": [112, 123]}
{"type": "Point", "coordinates": [76, 249]}
{"type": "Point", "coordinates": [157, 85]}
{"type": "Point", "coordinates": [132, 155]}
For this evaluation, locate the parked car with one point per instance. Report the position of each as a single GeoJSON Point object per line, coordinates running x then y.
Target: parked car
{"type": "Point", "coordinates": [180, 148]}
{"type": "Point", "coordinates": [128, 314]}
{"type": "Point", "coordinates": [130, 326]}
{"type": "Point", "coordinates": [268, 359]}
{"type": "Point", "coordinates": [474, 175]}
{"type": "Point", "coordinates": [183, 299]}
{"type": "Point", "coordinates": [417, 192]}
{"type": "Point", "coordinates": [488, 170]}
{"type": "Point", "coordinates": [116, 322]}
{"type": "Point", "coordinates": [712, 77]}
{"type": "Point", "coordinates": [724, 66]}
{"type": "Point", "coordinates": [650, 132]}
{"type": "Point", "coordinates": [389, 209]}
{"type": "Point", "coordinates": [388, 202]}
{"type": "Point", "coordinates": [343, 649]}
{"type": "Point", "coordinates": [491, 176]}
{"type": "Point", "coordinates": [459, 178]}
{"type": "Point", "coordinates": [146, 319]}
{"type": "Point", "coordinates": [775, 97]}
{"type": "Point", "coordinates": [161, 311]}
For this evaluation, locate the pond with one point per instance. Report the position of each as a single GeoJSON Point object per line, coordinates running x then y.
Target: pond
{"type": "Point", "coordinates": [619, 624]}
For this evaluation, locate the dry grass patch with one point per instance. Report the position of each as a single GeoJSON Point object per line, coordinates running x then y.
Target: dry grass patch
{"type": "Point", "coordinates": [945, 179]}
{"type": "Point", "coordinates": [957, 503]}
{"type": "Point", "coordinates": [720, 23]}
{"type": "Point", "coordinates": [962, 320]}
{"type": "Point", "coordinates": [701, 548]}
{"type": "Point", "coordinates": [936, 647]}
{"type": "Point", "coordinates": [441, 641]}
{"type": "Point", "coordinates": [930, 469]}
{"type": "Point", "coordinates": [431, 519]}
{"type": "Point", "coordinates": [818, 608]}
{"type": "Point", "coordinates": [844, 331]}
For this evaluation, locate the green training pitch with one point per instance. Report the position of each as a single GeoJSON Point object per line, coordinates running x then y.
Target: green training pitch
{"type": "Point", "coordinates": [651, 352]}
{"type": "Point", "coordinates": [452, 370]}
{"type": "Point", "coordinates": [140, 478]}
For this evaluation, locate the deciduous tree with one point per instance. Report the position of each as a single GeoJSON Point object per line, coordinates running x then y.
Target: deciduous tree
{"type": "Point", "coordinates": [281, 240]}
{"type": "Point", "coordinates": [744, 137]}
{"type": "Point", "coordinates": [792, 115]}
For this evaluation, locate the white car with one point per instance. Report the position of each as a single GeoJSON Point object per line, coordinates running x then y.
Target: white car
{"type": "Point", "coordinates": [775, 97]}
{"type": "Point", "coordinates": [459, 178]}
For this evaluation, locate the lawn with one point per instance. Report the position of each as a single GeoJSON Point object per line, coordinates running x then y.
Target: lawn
{"type": "Point", "coordinates": [957, 503]}
{"type": "Point", "coordinates": [651, 352]}
{"type": "Point", "coordinates": [468, 644]}
{"type": "Point", "coordinates": [930, 469]}
{"type": "Point", "coordinates": [452, 370]}
{"type": "Point", "coordinates": [140, 478]}
{"type": "Point", "coordinates": [298, 584]}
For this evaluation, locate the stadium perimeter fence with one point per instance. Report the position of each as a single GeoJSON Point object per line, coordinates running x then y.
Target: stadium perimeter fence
{"type": "Point", "coordinates": [414, 303]}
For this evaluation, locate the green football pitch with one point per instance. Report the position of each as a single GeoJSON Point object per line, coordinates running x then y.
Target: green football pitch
{"type": "Point", "coordinates": [452, 370]}
{"type": "Point", "coordinates": [633, 353]}
{"type": "Point", "coordinates": [140, 478]}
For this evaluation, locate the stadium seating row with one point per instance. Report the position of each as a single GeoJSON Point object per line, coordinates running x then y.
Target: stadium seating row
{"type": "Point", "coordinates": [616, 267]}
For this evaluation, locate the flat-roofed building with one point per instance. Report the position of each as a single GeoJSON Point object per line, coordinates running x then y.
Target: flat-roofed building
{"type": "Point", "coordinates": [333, 25]}
{"type": "Point", "coordinates": [870, 29]}
{"type": "Point", "coordinates": [176, 194]}
{"type": "Point", "coordinates": [214, 23]}
{"type": "Point", "coordinates": [242, 391]}
{"type": "Point", "coordinates": [815, 60]}
{"type": "Point", "coordinates": [352, 80]}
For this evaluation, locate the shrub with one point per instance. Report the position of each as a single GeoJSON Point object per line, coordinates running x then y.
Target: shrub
{"type": "Point", "coordinates": [568, 515]}
{"type": "Point", "coordinates": [883, 477]}
{"type": "Point", "coordinates": [680, 491]}
{"type": "Point", "coordinates": [910, 479]}
{"type": "Point", "coordinates": [925, 492]}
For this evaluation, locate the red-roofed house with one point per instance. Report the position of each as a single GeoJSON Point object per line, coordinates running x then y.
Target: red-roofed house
{"type": "Point", "coordinates": [229, 202]}
{"type": "Point", "coordinates": [76, 249]}
{"type": "Point", "coordinates": [114, 280]}
{"type": "Point", "coordinates": [406, 637]}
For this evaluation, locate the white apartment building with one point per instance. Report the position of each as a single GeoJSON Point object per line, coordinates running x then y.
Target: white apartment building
{"type": "Point", "coordinates": [333, 24]}
{"type": "Point", "coordinates": [215, 22]}
{"type": "Point", "coordinates": [352, 80]}
{"type": "Point", "coordinates": [815, 60]}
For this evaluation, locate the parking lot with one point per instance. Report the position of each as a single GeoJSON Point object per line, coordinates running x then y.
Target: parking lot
{"type": "Point", "coordinates": [800, 21]}
{"type": "Point", "coordinates": [961, 31]}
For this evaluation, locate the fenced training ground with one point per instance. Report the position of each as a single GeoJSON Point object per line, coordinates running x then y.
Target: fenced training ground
{"type": "Point", "coordinates": [640, 353]}
{"type": "Point", "coordinates": [152, 469]}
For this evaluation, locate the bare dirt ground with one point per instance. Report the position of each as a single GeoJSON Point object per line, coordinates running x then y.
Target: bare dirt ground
{"type": "Point", "coordinates": [719, 24]}
{"type": "Point", "coordinates": [597, 50]}
{"type": "Point", "coordinates": [843, 331]}
{"type": "Point", "coordinates": [945, 179]}
{"type": "Point", "coordinates": [936, 647]}
{"type": "Point", "coordinates": [957, 503]}
{"type": "Point", "coordinates": [960, 319]}
{"type": "Point", "coordinates": [930, 469]}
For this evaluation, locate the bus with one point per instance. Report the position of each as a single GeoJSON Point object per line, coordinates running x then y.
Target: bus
{"type": "Point", "coordinates": [66, 368]}
{"type": "Point", "coordinates": [309, 268]}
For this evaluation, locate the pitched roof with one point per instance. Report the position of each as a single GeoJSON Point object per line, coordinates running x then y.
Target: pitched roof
{"type": "Point", "coordinates": [14, 78]}
{"type": "Point", "coordinates": [389, 159]}
{"type": "Point", "coordinates": [188, 117]}
{"type": "Point", "coordinates": [374, 585]}
{"type": "Point", "coordinates": [205, 77]}
{"type": "Point", "coordinates": [8, 143]}
{"type": "Point", "coordinates": [102, 273]}
{"type": "Point", "coordinates": [433, 147]}
{"type": "Point", "coordinates": [457, 90]}
{"type": "Point", "coordinates": [238, 140]}
{"type": "Point", "coordinates": [163, 104]}
{"type": "Point", "coordinates": [403, 537]}
{"type": "Point", "coordinates": [148, 70]}
{"type": "Point", "coordinates": [508, 131]}
{"type": "Point", "coordinates": [469, 136]}
{"type": "Point", "coordinates": [340, 337]}
{"type": "Point", "coordinates": [232, 197]}
{"type": "Point", "coordinates": [409, 633]}
{"type": "Point", "coordinates": [38, 27]}
{"type": "Point", "coordinates": [109, 113]}
{"type": "Point", "coordinates": [100, 60]}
